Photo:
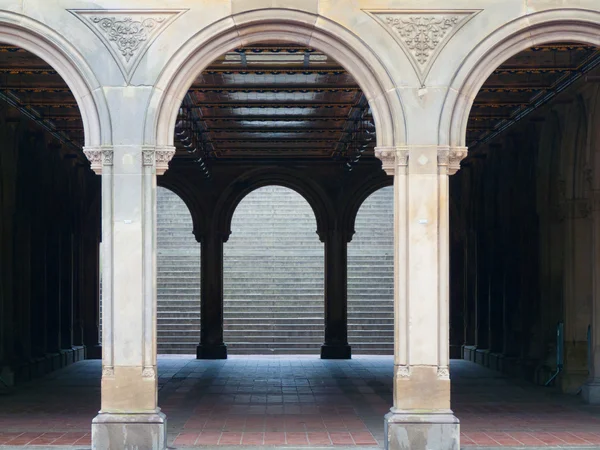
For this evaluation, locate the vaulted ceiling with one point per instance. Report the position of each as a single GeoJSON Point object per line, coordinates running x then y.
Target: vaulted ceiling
{"type": "Point", "coordinates": [290, 103]}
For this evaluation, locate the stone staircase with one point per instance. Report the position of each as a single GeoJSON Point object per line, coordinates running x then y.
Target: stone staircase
{"type": "Point", "coordinates": [273, 277]}
{"type": "Point", "coordinates": [371, 277]}
{"type": "Point", "coordinates": [178, 276]}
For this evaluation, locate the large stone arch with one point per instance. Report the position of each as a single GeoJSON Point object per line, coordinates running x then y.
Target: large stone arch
{"type": "Point", "coordinates": [556, 25]}
{"type": "Point", "coordinates": [255, 179]}
{"type": "Point", "coordinates": [197, 210]}
{"type": "Point", "coordinates": [50, 46]}
{"type": "Point", "coordinates": [274, 24]}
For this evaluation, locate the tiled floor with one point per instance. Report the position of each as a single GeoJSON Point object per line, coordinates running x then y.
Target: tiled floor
{"type": "Point", "coordinates": [295, 401]}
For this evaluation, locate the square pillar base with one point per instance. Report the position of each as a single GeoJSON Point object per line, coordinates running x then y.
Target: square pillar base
{"type": "Point", "coordinates": [336, 351]}
{"type": "Point", "coordinates": [211, 351]}
{"type": "Point", "coordinates": [405, 430]}
{"type": "Point", "coordinates": [591, 392]}
{"type": "Point", "coordinates": [129, 431]}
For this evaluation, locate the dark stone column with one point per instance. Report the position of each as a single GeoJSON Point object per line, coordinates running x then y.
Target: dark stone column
{"type": "Point", "coordinates": [91, 295]}
{"type": "Point", "coordinates": [66, 289]}
{"type": "Point", "coordinates": [336, 298]}
{"type": "Point", "coordinates": [211, 290]}
{"type": "Point", "coordinates": [53, 290]}
{"type": "Point", "coordinates": [78, 290]}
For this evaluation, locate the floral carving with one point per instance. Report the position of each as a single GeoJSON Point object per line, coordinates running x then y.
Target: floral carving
{"type": "Point", "coordinates": [422, 34]}
{"type": "Point", "coordinates": [98, 157]}
{"type": "Point", "coordinates": [450, 158]}
{"type": "Point", "coordinates": [402, 372]}
{"type": "Point", "coordinates": [127, 33]}
{"type": "Point", "coordinates": [108, 371]}
{"type": "Point", "coordinates": [148, 157]}
{"type": "Point", "coordinates": [148, 372]}
{"type": "Point", "coordinates": [392, 157]}
{"type": "Point", "coordinates": [443, 373]}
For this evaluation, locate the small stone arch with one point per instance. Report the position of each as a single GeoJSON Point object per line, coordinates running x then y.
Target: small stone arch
{"type": "Point", "coordinates": [47, 44]}
{"type": "Point", "coordinates": [556, 25]}
{"type": "Point", "coordinates": [249, 182]}
{"type": "Point", "coordinates": [358, 197]}
{"type": "Point", "coordinates": [197, 210]}
{"type": "Point", "coordinates": [275, 24]}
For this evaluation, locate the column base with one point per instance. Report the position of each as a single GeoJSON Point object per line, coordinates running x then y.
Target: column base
{"type": "Point", "coordinates": [211, 351]}
{"type": "Point", "coordinates": [591, 392]}
{"type": "Point", "coordinates": [405, 430]}
{"type": "Point", "coordinates": [329, 351]}
{"type": "Point", "coordinates": [129, 431]}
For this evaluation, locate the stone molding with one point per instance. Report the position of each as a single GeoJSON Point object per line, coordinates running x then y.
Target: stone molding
{"type": "Point", "coordinates": [392, 158]}
{"type": "Point", "coordinates": [127, 33]}
{"type": "Point", "coordinates": [99, 157]}
{"type": "Point", "coordinates": [449, 158]}
{"type": "Point", "coordinates": [402, 371]}
{"type": "Point", "coordinates": [158, 157]}
{"type": "Point", "coordinates": [422, 34]}
{"type": "Point", "coordinates": [443, 373]}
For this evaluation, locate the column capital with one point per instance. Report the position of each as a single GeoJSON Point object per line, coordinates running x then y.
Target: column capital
{"type": "Point", "coordinates": [393, 159]}
{"type": "Point", "coordinates": [99, 156]}
{"type": "Point", "coordinates": [158, 156]}
{"type": "Point", "coordinates": [330, 233]}
{"type": "Point", "coordinates": [449, 159]}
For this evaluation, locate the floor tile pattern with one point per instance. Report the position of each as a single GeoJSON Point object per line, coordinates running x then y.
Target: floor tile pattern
{"type": "Point", "coordinates": [297, 402]}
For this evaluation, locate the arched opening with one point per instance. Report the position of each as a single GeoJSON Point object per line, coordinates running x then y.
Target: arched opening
{"type": "Point", "coordinates": [49, 234]}
{"type": "Point", "coordinates": [522, 231]}
{"type": "Point", "coordinates": [273, 276]}
{"type": "Point", "coordinates": [371, 276]}
{"type": "Point", "coordinates": [272, 137]}
{"type": "Point", "coordinates": [178, 276]}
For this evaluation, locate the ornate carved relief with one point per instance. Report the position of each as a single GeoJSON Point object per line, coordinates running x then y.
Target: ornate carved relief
{"type": "Point", "coordinates": [422, 34]}
{"type": "Point", "coordinates": [450, 158]}
{"type": "Point", "coordinates": [98, 157]}
{"type": "Point", "coordinates": [392, 157]}
{"type": "Point", "coordinates": [108, 371]}
{"type": "Point", "coordinates": [127, 34]}
{"type": "Point", "coordinates": [148, 372]}
{"type": "Point", "coordinates": [443, 373]}
{"type": "Point", "coordinates": [162, 157]}
{"type": "Point", "coordinates": [402, 372]}
{"type": "Point", "coordinates": [148, 157]}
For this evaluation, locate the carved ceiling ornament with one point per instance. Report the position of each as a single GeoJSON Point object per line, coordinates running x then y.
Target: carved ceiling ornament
{"type": "Point", "coordinates": [127, 34]}
{"type": "Point", "coordinates": [422, 34]}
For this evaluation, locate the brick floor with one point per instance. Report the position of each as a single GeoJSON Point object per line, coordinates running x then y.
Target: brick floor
{"type": "Point", "coordinates": [296, 401]}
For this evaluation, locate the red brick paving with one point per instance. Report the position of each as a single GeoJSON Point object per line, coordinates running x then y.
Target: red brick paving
{"type": "Point", "coordinates": [299, 401]}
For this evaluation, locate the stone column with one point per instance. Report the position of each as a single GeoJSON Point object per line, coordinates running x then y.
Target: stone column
{"type": "Point", "coordinates": [336, 295]}
{"type": "Point", "coordinates": [591, 390]}
{"type": "Point", "coordinates": [421, 417]}
{"type": "Point", "coordinates": [211, 344]}
{"type": "Point", "coordinates": [129, 416]}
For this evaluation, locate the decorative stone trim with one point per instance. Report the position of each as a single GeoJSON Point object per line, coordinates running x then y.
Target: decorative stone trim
{"type": "Point", "coordinates": [422, 34]}
{"type": "Point", "coordinates": [162, 157]}
{"type": "Point", "coordinates": [99, 157]}
{"type": "Point", "coordinates": [127, 34]}
{"type": "Point", "coordinates": [443, 373]}
{"type": "Point", "coordinates": [148, 157]}
{"type": "Point", "coordinates": [449, 158]}
{"type": "Point", "coordinates": [108, 371]}
{"type": "Point", "coordinates": [392, 158]}
{"type": "Point", "coordinates": [402, 371]}
{"type": "Point", "coordinates": [148, 372]}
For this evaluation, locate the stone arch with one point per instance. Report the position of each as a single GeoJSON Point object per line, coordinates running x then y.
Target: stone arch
{"type": "Point", "coordinates": [197, 210]}
{"type": "Point", "coordinates": [274, 24]}
{"type": "Point", "coordinates": [556, 25]}
{"type": "Point", "coordinates": [245, 184]}
{"type": "Point", "coordinates": [358, 197]}
{"type": "Point", "coordinates": [48, 45]}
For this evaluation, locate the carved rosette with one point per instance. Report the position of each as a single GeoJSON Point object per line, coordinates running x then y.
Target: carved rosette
{"type": "Point", "coordinates": [127, 34]}
{"type": "Point", "coordinates": [443, 373]}
{"type": "Point", "coordinates": [98, 157]}
{"type": "Point", "coordinates": [148, 372]}
{"type": "Point", "coordinates": [402, 372]}
{"type": "Point", "coordinates": [392, 158]}
{"type": "Point", "coordinates": [449, 159]}
{"type": "Point", "coordinates": [422, 34]}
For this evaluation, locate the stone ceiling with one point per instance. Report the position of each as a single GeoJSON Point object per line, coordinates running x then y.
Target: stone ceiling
{"type": "Point", "coordinates": [284, 102]}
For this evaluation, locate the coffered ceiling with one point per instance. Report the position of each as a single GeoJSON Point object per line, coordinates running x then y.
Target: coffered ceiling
{"type": "Point", "coordinates": [291, 103]}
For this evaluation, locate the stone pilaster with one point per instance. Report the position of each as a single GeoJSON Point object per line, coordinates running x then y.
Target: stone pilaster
{"type": "Point", "coordinates": [421, 417]}
{"type": "Point", "coordinates": [211, 344]}
{"type": "Point", "coordinates": [129, 415]}
{"type": "Point", "coordinates": [336, 295]}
